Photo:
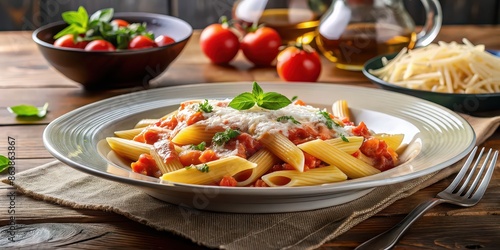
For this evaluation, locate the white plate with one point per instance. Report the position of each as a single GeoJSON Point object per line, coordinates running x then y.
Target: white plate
{"type": "Point", "coordinates": [436, 138]}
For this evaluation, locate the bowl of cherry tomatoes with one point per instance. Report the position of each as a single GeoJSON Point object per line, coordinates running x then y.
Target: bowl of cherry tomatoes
{"type": "Point", "coordinates": [109, 50]}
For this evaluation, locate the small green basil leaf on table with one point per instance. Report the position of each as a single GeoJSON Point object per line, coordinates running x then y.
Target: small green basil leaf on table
{"type": "Point", "coordinates": [29, 110]}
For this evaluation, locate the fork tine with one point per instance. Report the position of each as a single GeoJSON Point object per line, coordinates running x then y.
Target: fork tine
{"type": "Point", "coordinates": [472, 172]}
{"type": "Point", "coordinates": [462, 172]}
{"type": "Point", "coordinates": [485, 181]}
{"type": "Point", "coordinates": [479, 174]}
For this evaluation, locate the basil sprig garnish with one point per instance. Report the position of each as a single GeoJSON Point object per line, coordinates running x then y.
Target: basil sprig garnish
{"type": "Point", "coordinates": [78, 22]}
{"type": "Point", "coordinates": [267, 100]}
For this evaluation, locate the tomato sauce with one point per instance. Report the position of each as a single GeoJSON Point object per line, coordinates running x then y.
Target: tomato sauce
{"type": "Point", "coordinates": [384, 157]}
{"type": "Point", "coordinates": [146, 165]}
{"type": "Point", "coordinates": [168, 122]}
{"type": "Point", "coordinates": [196, 117]}
{"type": "Point", "coordinates": [190, 157]}
{"type": "Point", "coordinates": [244, 144]}
{"type": "Point", "coordinates": [228, 181]}
{"type": "Point", "coordinates": [361, 130]}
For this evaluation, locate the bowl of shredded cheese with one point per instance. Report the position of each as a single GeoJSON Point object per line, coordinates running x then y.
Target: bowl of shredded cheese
{"type": "Point", "coordinates": [462, 77]}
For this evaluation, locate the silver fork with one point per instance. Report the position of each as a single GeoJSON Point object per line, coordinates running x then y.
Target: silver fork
{"type": "Point", "coordinates": [455, 193]}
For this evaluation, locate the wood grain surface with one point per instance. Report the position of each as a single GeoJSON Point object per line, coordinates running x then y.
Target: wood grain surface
{"type": "Point", "coordinates": [25, 77]}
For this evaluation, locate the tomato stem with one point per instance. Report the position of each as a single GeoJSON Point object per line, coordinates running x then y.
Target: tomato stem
{"type": "Point", "coordinates": [224, 21]}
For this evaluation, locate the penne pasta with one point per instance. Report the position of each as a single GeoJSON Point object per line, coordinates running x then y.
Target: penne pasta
{"type": "Point", "coordinates": [341, 109]}
{"type": "Point", "coordinates": [149, 122]}
{"type": "Point", "coordinates": [351, 166]}
{"type": "Point", "coordinates": [351, 146]}
{"type": "Point", "coordinates": [284, 149]}
{"type": "Point", "coordinates": [163, 164]}
{"type": "Point", "coordinates": [128, 148]}
{"type": "Point", "coordinates": [264, 160]}
{"type": "Point", "coordinates": [210, 172]}
{"type": "Point", "coordinates": [393, 141]}
{"type": "Point", "coordinates": [195, 134]}
{"type": "Point", "coordinates": [166, 157]}
{"type": "Point", "coordinates": [293, 178]}
{"type": "Point", "coordinates": [128, 134]}
{"type": "Point", "coordinates": [145, 122]}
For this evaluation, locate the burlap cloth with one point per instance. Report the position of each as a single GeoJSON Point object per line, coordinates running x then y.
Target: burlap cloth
{"type": "Point", "coordinates": [57, 183]}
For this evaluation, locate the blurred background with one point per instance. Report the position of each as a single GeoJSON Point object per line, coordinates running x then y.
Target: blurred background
{"type": "Point", "coordinates": [30, 14]}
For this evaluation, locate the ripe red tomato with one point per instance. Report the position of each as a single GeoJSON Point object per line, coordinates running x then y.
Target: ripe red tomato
{"type": "Point", "coordinates": [219, 43]}
{"type": "Point", "coordinates": [298, 64]}
{"type": "Point", "coordinates": [164, 40]}
{"type": "Point", "coordinates": [261, 46]}
{"type": "Point", "coordinates": [119, 23]}
{"type": "Point", "coordinates": [68, 42]}
{"type": "Point", "coordinates": [100, 45]}
{"type": "Point", "coordinates": [141, 42]}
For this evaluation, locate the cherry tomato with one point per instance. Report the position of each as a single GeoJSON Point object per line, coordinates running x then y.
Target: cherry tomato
{"type": "Point", "coordinates": [100, 45]}
{"type": "Point", "coordinates": [119, 23]}
{"type": "Point", "coordinates": [141, 42]}
{"type": "Point", "coordinates": [261, 46]}
{"type": "Point", "coordinates": [68, 42]}
{"type": "Point", "coordinates": [297, 64]}
{"type": "Point", "coordinates": [164, 40]}
{"type": "Point", "coordinates": [219, 43]}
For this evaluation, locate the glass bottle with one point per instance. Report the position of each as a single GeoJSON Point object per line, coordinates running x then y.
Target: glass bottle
{"type": "Point", "coordinates": [354, 31]}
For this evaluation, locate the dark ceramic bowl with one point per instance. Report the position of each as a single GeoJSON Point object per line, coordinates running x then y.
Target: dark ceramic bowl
{"type": "Point", "coordinates": [464, 103]}
{"type": "Point", "coordinates": [118, 69]}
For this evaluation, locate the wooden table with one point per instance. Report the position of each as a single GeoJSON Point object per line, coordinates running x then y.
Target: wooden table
{"type": "Point", "coordinates": [25, 77]}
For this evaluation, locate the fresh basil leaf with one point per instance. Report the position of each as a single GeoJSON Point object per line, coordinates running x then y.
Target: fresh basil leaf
{"type": "Point", "coordinates": [150, 35]}
{"type": "Point", "coordinates": [269, 100]}
{"type": "Point", "coordinates": [274, 101]}
{"type": "Point", "coordinates": [243, 101]}
{"type": "Point", "coordinates": [93, 24]}
{"type": "Point", "coordinates": [79, 17]}
{"type": "Point", "coordinates": [83, 14]}
{"type": "Point", "coordinates": [4, 163]}
{"type": "Point", "coordinates": [29, 110]}
{"type": "Point", "coordinates": [24, 110]}
{"type": "Point", "coordinates": [71, 29]}
{"type": "Point", "coordinates": [77, 20]}
{"type": "Point", "coordinates": [104, 15]}
{"type": "Point", "coordinates": [107, 32]}
{"type": "Point", "coordinates": [122, 41]}
{"type": "Point", "coordinates": [72, 17]}
{"type": "Point", "coordinates": [257, 91]}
